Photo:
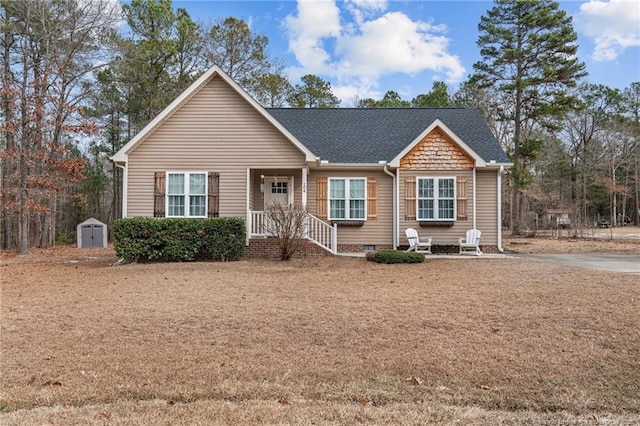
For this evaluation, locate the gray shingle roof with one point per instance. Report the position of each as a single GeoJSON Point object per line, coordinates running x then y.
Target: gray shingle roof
{"type": "Point", "coordinates": [369, 135]}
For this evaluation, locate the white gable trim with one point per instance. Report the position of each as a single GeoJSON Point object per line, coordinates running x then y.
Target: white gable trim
{"type": "Point", "coordinates": [121, 155]}
{"type": "Point", "coordinates": [479, 162]}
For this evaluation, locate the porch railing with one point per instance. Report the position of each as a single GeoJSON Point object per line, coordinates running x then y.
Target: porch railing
{"type": "Point", "coordinates": [316, 230]}
{"type": "Point", "coordinates": [255, 227]}
{"type": "Point", "coordinates": [322, 233]}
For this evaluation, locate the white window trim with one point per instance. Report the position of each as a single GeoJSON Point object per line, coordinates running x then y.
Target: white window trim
{"type": "Point", "coordinates": [186, 193]}
{"type": "Point", "coordinates": [347, 199]}
{"type": "Point", "coordinates": [436, 199]}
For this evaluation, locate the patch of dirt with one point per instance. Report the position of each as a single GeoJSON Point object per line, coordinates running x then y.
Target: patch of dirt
{"type": "Point", "coordinates": [69, 254]}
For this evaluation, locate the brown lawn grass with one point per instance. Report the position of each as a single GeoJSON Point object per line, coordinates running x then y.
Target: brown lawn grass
{"type": "Point", "coordinates": [315, 341]}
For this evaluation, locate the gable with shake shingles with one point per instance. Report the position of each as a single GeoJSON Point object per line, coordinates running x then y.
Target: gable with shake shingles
{"type": "Point", "coordinates": [436, 151]}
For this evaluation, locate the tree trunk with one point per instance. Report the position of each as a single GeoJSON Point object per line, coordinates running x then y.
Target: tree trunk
{"type": "Point", "coordinates": [614, 217]}
{"type": "Point", "coordinates": [637, 183]}
{"type": "Point", "coordinates": [516, 218]}
{"type": "Point", "coordinates": [24, 212]}
{"type": "Point", "coordinates": [583, 196]}
{"type": "Point", "coordinates": [7, 220]}
{"type": "Point", "coordinates": [48, 228]}
{"type": "Point", "coordinates": [515, 209]}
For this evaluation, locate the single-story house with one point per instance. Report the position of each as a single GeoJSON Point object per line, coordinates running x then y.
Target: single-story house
{"type": "Point", "coordinates": [363, 175]}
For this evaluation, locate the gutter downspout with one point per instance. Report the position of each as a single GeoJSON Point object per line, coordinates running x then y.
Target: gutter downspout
{"type": "Point", "coordinates": [500, 172]}
{"type": "Point", "coordinates": [474, 199]}
{"type": "Point", "coordinates": [124, 187]}
{"type": "Point", "coordinates": [395, 206]}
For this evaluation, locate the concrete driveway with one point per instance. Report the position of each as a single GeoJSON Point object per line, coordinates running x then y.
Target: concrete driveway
{"type": "Point", "coordinates": [625, 263]}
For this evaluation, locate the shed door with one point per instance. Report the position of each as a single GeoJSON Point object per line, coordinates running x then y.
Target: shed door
{"type": "Point", "coordinates": [96, 236]}
{"type": "Point", "coordinates": [92, 236]}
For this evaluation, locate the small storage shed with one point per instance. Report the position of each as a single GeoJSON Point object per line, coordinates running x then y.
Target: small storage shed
{"type": "Point", "coordinates": [92, 234]}
{"type": "Point", "coordinates": [557, 218]}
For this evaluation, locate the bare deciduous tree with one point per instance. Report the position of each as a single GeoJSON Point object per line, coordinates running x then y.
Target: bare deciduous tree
{"type": "Point", "coordinates": [287, 224]}
{"type": "Point", "coordinates": [49, 51]}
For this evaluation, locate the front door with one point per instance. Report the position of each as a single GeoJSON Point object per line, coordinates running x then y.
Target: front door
{"type": "Point", "coordinates": [278, 190]}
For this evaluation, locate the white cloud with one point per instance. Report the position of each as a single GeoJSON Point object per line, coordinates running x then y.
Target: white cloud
{"type": "Point", "coordinates": [366, 44]}
{"type": "Point", "coordinates": [316, 21]}
{"type": "Point", "coordinates": [395, 43]}
{"type": "Point", "coordinates": [349, 88]}
{"type": "Point", "coordinates": [370, 4]}
{"type": "Point", "coordinates": [614, 26]}
{"type": "Point", "coordinates": [108, 12]}
{"type": "Point", "coordinates": [360, 9]}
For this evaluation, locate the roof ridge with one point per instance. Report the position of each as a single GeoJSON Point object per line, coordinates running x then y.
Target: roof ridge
{"type": "Point", "coordinates": [369, 109]}
{"type": "Point", "coordinates": [345, 135]}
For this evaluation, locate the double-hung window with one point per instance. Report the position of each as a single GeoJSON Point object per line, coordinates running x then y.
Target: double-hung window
{"type": "Point", "coordinates": [186, 194]}
{"type": "Point", "coordinates": [436, 198]}
{"type": "Point", "coordinates": [347, 198]}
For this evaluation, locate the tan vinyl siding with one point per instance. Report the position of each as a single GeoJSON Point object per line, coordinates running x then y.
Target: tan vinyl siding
{"type": "Point", "coordinates": [487, 194]}
{"type": "Point", "coordinates": [256, 198]}
{"type": "Point", "coordinates": [441, 235]}
{"type": "Point", "coordinates": [216, 130]}
{"type": "Point", "coordinates": [379, 231]}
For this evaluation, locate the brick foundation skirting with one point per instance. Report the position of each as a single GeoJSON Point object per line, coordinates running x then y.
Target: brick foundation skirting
{"type": "Point", "coordinates": [267, 248]}
{"type": "Point", "coordinates": [361, 248]}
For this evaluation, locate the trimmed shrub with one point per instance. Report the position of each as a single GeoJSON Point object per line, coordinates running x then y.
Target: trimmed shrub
{"type": "Point", "coordinates": [394, 256]}
{"type": "Point", "coordinates": [223, 238]}
{"type": "Point", "coordinates": [145, 239]}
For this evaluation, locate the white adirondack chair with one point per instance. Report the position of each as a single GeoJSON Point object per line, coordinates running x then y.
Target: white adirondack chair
{"type": "Point", "coordinates": [470, 244]}
{"type": "Point", "coordinates": [416, 244]}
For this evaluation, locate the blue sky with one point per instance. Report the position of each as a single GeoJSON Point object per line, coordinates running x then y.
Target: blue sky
{"type": "Point", "coordinates": [366, 47]}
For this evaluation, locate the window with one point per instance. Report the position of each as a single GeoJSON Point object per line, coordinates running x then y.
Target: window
{"type": "Point", "coordinates": [436, 198]}
{"type": "Point", "coordinates": [186, 194]}
{"type": "Point", "coordinates": [279, 187]}
{"type": "Point", "coordinates": [347, 199]}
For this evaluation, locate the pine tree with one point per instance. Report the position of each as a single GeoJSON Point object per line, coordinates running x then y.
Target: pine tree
{"type": "Point", "coordinates": [238, 51]}
{"type": "Point", "coordinates": [528, 51]}
{"type": "Point", "coordinates": [272, 90]}
{"type": "Point", "coordinates": [437, 97]}
{"type": "Point", "coordinates": [313, 93]}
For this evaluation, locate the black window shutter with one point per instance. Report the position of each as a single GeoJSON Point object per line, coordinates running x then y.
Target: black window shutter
{"type": "Point", "coordinates": [158, 194]}
{"type": "Point", "coordinates": [213, 204]}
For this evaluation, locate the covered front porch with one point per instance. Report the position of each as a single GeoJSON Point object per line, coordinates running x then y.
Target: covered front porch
{"type": "Point", "coordinates": [287, 187]}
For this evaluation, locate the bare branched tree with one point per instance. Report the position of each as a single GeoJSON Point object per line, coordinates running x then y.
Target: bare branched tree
{"type": "Point", "coordinates": [287, 224]}
{"type": "Point", "coordinates": [49, 51]}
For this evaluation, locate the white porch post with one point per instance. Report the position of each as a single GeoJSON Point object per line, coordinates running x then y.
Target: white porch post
{"type": "Point", "coordinates": [334, 239]}
{"type": "Point", "coordinates": [305, 170]}
{"type": "Point", "coordinates": [248, 210]}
